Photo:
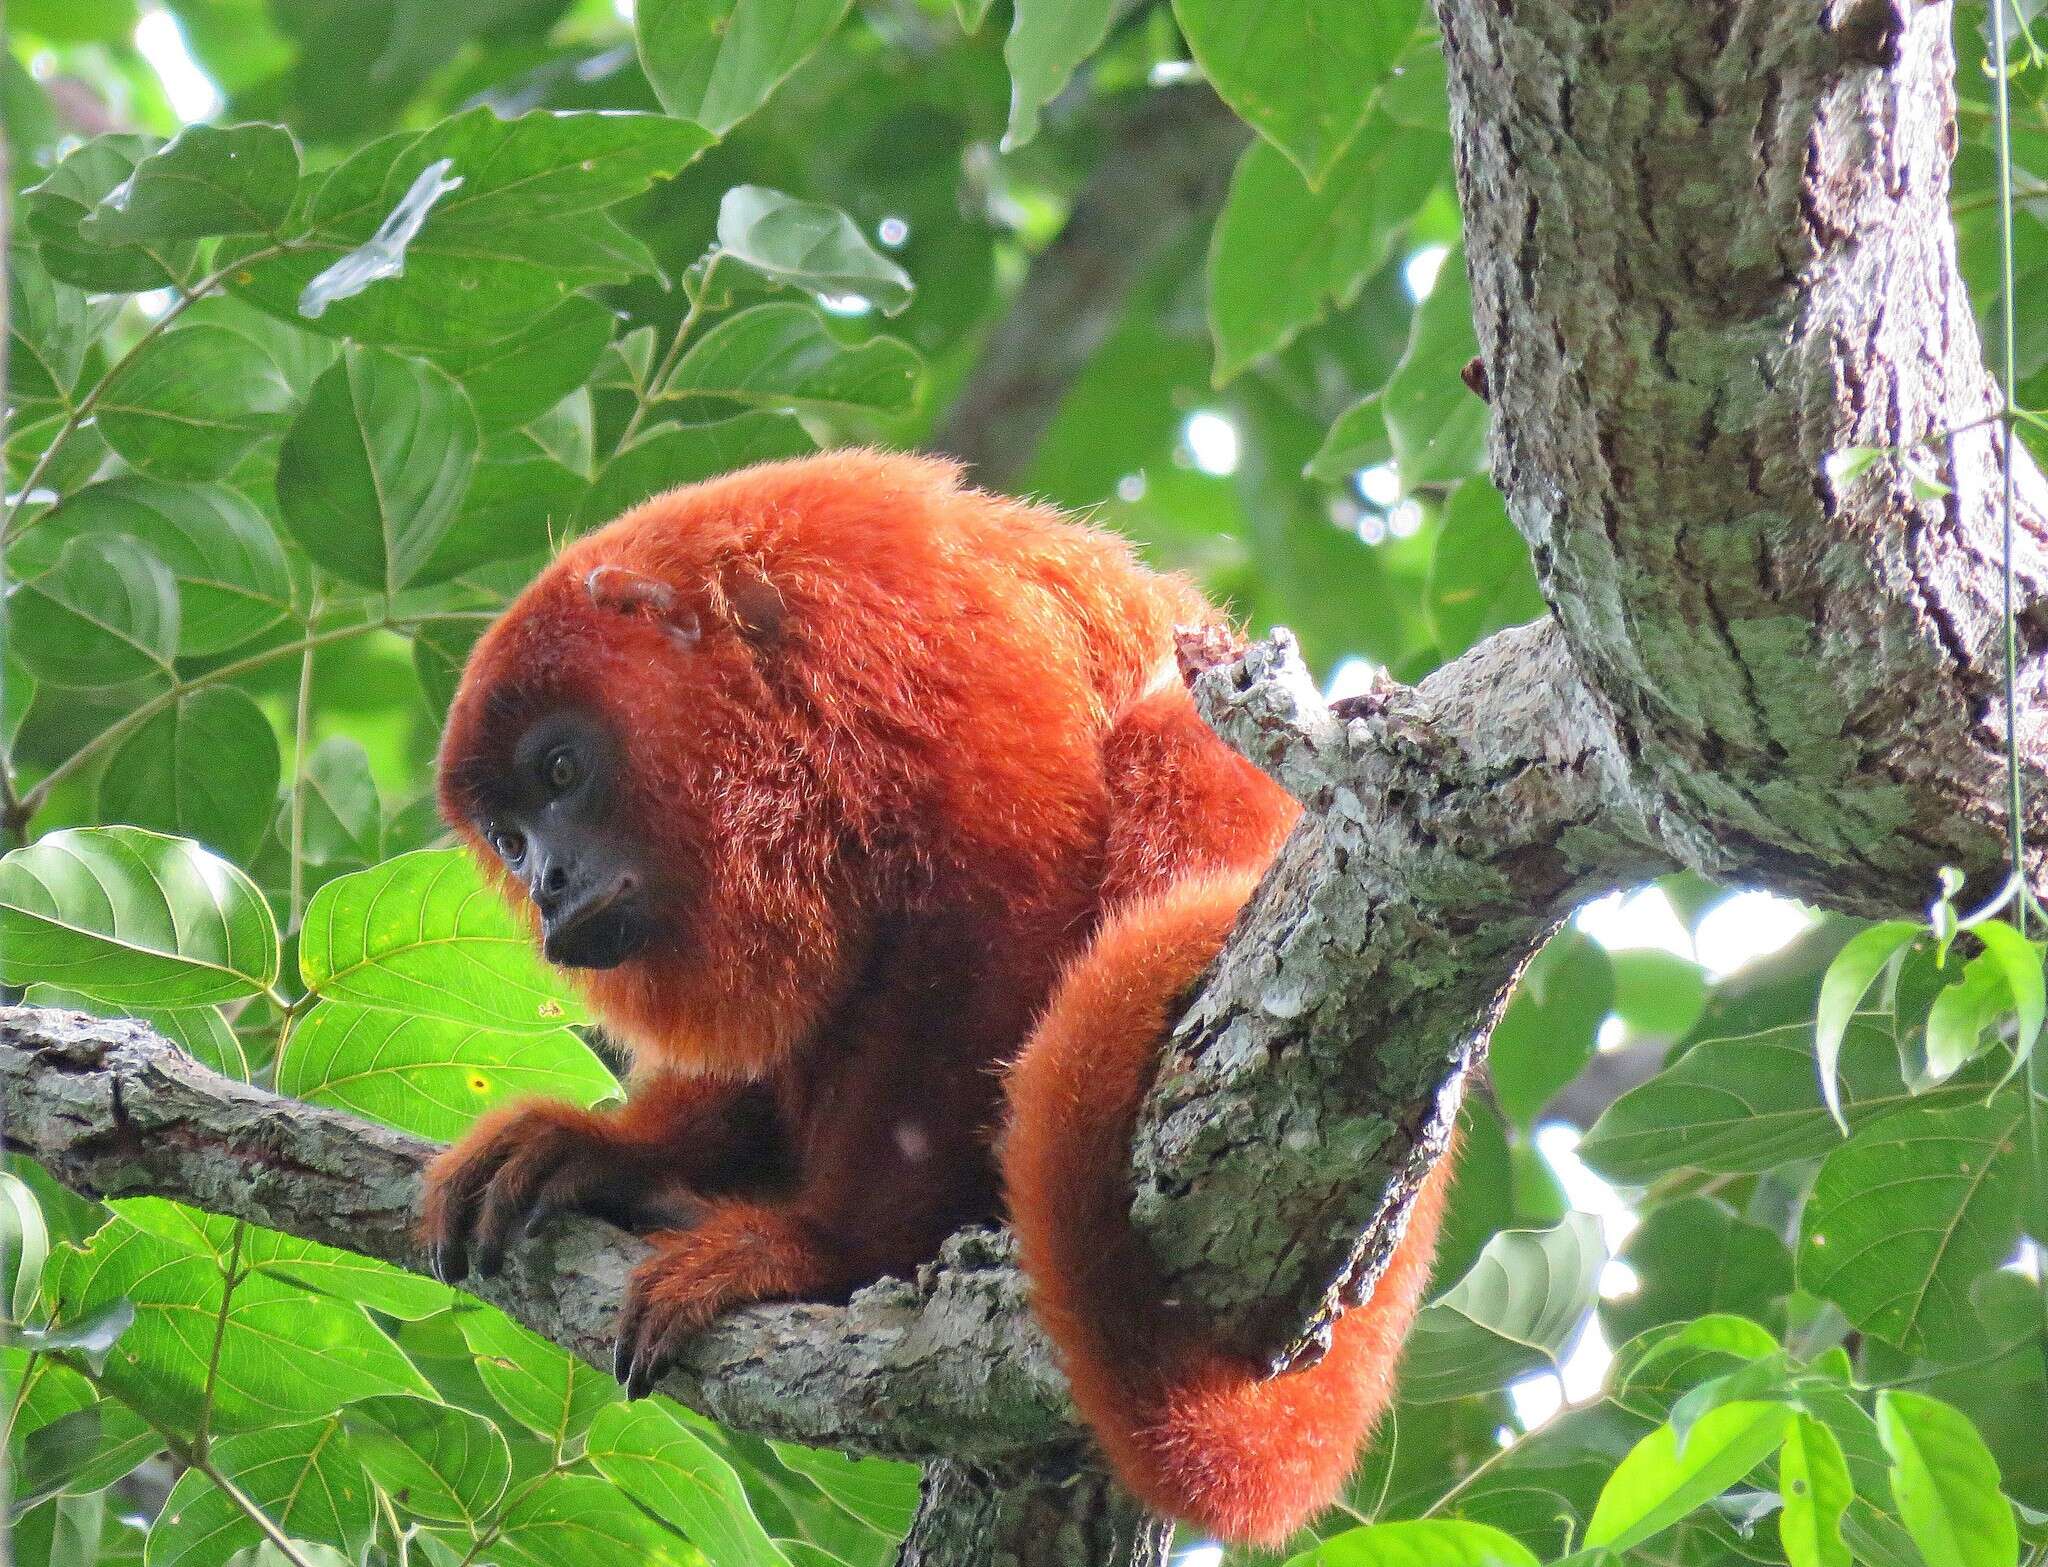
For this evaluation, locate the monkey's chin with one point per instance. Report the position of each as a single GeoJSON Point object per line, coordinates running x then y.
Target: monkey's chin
{"type": "Point", "coordinates": [604, 940]}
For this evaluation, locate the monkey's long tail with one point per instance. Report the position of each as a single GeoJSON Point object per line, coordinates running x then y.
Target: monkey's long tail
{"type": "Point", "coordinates": [1195, 1432]}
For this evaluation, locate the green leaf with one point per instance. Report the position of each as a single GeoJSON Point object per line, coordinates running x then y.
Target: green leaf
{"type": "Point", "coordinates": [204, 768]}
{"type": "Point", "coordinates": [437, 1462]}
{"type": "Point", "coordinates": [1655, 1486]}
{"type": "Point", "coordinates": [1745, 1103]}
{"type": "Point", "coordinates": [1962, 1014]}
{"type": "Point", "coordinates": [232, 580]}
{"type": "Point", "coordinates": [1302, 76]}
{"type": "Point", "coordinates": [105, 614]}
{"type": "Point", "coordinates": [1908, 1214]}
{"type": "Point", "coordinates": [1432, 1542]}
{"type": "Point", "coordinates": [1282, 251]}
{"type": "Point", "coordinates": [1693, 1256]}
{"type": "Point", "coordinates": [2019, 960]}
{"type": "Point", "coordinates": [784, 356]}
{"type": "Point", "coordinates": [1551, 1025]}
{"type": "Point", "coordinates": [1946, 1483]}
{"type": "Point", "coordinates": [527, 227]}
{"type": "Point", "coordinates": [128, 916]}
{"type": "Point", "coordinates": [375, 466]}
{"type": "Point", "coordinates": [1866, 955]}
{"type": "Point", "coordinates": [439, 650]}
{"type": "Point", "coordinates": [804, 245]}
{"type": "Point", "coordinates": [521, 501]}
{"type": "Point", "coordinates": [649, 1451]}
{"type": "Point", "coordinates": [1519, 1308]}
{"type": "Point", "coordinates": [880, 1493]}
{"type": "Point", "coordinates": [1657, 994]}
{"type": "Point", "coordinates": [1480, 576]}
{"type": "Point", "coordinates": [1433, 427]}
{"type": "Point", "coordinates": [303, 1478]}
{"type": "Point", "coordinates": [430, 1075]}
{"type": "Point", "coordinates": [194, 402]}
{"type": "Point", "coordinates": [1813, 1480]}
{"type": "Point", "coordinates": [673, 454]}
{"type": "Point", "coordinates": [1048, 40]}
{"type": "Point", "coordinates": [55, 210]}
{"type": "Point", "coordinates": [577, 1521]}
{"type": "Point", "coordinates": [343, 818]}
{"type": "Point", "coordinates": [520, 377]}
{"type": "Point", "coordinates": [330, 1271]}
{"type": "Point", "coordinates": [24, 1244]}
{"type": "Point", "coordinates": [716, 61]}
{"type": "Point", "coordinates": [209, 179]}
{"type": "Point", "coordinates": [545, 1389]}
{"type": "Point", "coordinates": [284, 1355]}
{"type": "Point", "coordinates": [422, 935]}
{"type": "Point", "coordinates": [1652, 1371]}
{"type": "Point", "coordinates": [83, 1451]}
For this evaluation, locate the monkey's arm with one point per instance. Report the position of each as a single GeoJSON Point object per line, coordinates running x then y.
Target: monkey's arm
{"type": "Point", "coordinates": [643, 1164]}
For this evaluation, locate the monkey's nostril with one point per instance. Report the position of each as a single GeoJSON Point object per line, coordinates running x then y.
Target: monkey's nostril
{"type": "Point", "coordinates": [552, 881]}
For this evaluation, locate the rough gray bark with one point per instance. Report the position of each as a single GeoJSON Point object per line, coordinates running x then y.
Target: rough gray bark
{"type": "Point", "coordinates": [1709, 247]}
{"type": "Point", "coordinates": [1068, 1515]}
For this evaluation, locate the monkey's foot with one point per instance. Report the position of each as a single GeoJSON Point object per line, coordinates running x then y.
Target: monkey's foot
{"type": "Point", "coordinates": [742, 1252]}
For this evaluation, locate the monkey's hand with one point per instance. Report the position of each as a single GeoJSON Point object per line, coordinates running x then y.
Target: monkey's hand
{"type": "Point", "coordinates": [523, 1164]}
{"type": "Point", "coordinates": [741, 1252]}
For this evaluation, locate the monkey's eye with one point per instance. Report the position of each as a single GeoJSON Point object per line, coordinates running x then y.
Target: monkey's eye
{"type": "Point", "coordinates": [511, 846]}
{"type": "Point", "coordinates": [560, 770]}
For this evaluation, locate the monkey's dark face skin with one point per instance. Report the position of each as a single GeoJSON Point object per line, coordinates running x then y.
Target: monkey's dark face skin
{"type": "Point", "coordinates": [553, 817]}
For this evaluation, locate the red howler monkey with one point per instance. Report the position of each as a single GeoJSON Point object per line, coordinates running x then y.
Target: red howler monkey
{"type": "Point", "coordinates": [842, 787]}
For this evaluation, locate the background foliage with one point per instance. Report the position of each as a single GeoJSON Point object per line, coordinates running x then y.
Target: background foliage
{"type": "Point", "coordinates": [300, 394]}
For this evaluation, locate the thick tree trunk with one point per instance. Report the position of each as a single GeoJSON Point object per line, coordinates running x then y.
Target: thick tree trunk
{"type": "Point", "coordinates": [1062, 1516]}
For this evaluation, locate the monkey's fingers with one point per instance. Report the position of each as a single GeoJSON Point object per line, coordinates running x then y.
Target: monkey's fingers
{"type": "Point", "coordinates": [456, 1183]}
{"type": "Point", "coordinates": [551, 1171]}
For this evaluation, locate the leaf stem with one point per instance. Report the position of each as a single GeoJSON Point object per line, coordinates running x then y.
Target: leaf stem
{"type": "Point", "coordinates": [650, 394]}
{"type": "Point", "coordinates": [302, 724]}
{"type": "Point", "coordinates": [230, 1276]}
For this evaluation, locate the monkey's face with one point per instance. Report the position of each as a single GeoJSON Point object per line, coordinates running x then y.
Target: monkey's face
{"type": "Point", "coordinates": [554, 818]}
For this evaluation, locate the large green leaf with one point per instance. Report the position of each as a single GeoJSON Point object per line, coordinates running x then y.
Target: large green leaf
{"type": "Point", "coordinates": [1048, 39]}
{"type": "Point", "coordinates": [1481, 579]}
{"type": "Point", "coordinates": [670, 454]}
{"type": "Point", "coordinates": [283, 1354]}
{"type": "Point", "coordinates": [1694, 1256]}
{"type": "Point", "coordinates": [204, 768]}
{"type": "Point", "coordinates": [651, 1453]}
{"type": "Point", "coordinates": [580, 1521]}
{"type": "Point", "coordinates": [716, 61]}
{"type": "Point", "coordinates": [784, 356]}
{"type": "Point", "coordinates": [1658, 1483]}
{"type": "Point", "coordinates": [230, 570]}
{"type": "Point", "coordinates": [1908, 1214]}
{"type": "Point", "coordinates": [1748, 1102]}
{"type": "Point", "coordinates": [55, 210]}
{"type": "Point", "coordinates": [303, 1477]}
{"type": "Point", "coordinates": [421, 934]}
{"type": "Point", "coordinates": [133, 917]}
{"type": "Point", "coordinates": [1814, 1483]}
{"type": "Point", "coordinates": [440, 1463]}
{"type": "Point", "coordinates": [546, 1389]}
{"type": "Point", "coordinates": [430, 1075]}
{"type": "Point", "coordinates": [342, 820]}
{"type": "Point", "coordinates": [1518, 1309]}
{"type": "Point", "coordinates": [1425, 418]}
{"type": "Point", "coordinates": [375, 466]}
{"type": "Point", "coordinates": [1303, 76]}
{"type": "Point", "coordinates": [194, 402]}
{"type": "Point", "coordinates": [1552, 1024]}
{"type": "Point", "coordinates": [526, 226]}
{"type": "Point", "coordinates": [104, 614]}
{"type": "Point", "coordinates": [1420, 1542]}
{"type": "Point", "coordinates": [520, 502]}
{"type": "Point", "coordinates": [209, 179]}
{"type": "Point", "coordinates": [805, 245]}
{"type": "Point", "coordinates": [1946, 1483]}
{"type": "Point", "coordinates": [521, 376]}
{"type": "Point", "coordinates": [1283, 252]}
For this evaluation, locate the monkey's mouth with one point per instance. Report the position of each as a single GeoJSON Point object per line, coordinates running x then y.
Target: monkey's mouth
{"type": "Point", "coordinates": [602, 933]}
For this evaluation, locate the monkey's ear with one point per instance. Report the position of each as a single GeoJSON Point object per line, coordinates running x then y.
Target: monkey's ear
{"type": "Point", "coordinates": [757, 609]}
{"type": "Point", "coordinates": [629, 592]}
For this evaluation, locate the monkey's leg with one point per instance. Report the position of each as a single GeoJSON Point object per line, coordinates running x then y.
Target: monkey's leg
{"type": "Point", "coordinates": [642, 1164]}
